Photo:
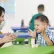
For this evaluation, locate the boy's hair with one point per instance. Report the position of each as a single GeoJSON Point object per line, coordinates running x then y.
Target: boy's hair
{"type": "Point", "coordinates": [43, 18]}
{"type": "Point", "coordinates": [1, 10]}
{"type": "Point", "coordinates": [41, 6]}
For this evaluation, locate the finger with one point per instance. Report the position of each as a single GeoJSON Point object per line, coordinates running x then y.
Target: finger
{"type": "Point", "coordinates": [30, 30]}
{"type": "Point", "coordinates": [35, 31]}
{"type": "Point", "coordinates": [13, 35]}
{"type": "Point", "coordinates": [8, 34]}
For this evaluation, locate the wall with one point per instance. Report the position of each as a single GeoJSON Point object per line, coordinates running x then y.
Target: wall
{"type": "Point", "coordinates": [25, 9]}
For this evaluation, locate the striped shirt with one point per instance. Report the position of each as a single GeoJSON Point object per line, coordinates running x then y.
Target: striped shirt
{"type": "Point", "coordinates": [49, 32]}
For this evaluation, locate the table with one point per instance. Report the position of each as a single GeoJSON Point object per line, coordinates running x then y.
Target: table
{"type": "Point", "coordinates": [26, 49]}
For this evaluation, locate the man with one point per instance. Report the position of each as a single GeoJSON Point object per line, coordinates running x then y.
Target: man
{"type": "Point", "coordinates": [40, 11]}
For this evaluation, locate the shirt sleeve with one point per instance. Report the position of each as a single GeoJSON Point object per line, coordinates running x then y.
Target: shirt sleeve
{"type": "Point", "coordinates": [51, 36]}
{"type": "Point", "coordinates": [32, 19]}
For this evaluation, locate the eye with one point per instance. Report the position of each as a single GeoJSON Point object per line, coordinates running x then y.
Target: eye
{"type": "Point", "coordinates": [36, 25]}
{"type": "Point", "coordinates": [2, 16]}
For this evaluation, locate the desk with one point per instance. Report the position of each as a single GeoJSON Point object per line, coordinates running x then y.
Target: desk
{"type": "Point", "coordinates": [22, 49]}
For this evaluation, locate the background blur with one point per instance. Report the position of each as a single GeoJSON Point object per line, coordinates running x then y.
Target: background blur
{"type": "Point", "coordinates": [16, 10]}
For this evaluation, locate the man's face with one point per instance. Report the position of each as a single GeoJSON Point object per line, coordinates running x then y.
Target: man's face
{"type": "Point", "coordinates": [39, 26]}
{"type": "Point", "coordinates": [2, 17]}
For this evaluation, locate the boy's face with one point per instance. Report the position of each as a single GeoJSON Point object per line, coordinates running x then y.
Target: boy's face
{"type": "Point", "coordinates": [39, 26]}
{"type": "Point", "coordinates": [2, 17]}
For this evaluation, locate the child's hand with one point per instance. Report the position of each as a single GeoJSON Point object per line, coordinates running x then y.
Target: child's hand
{"type": "Point", "coordinates": [43, 32]}
{"type": "Point", "coordinates": [9, 37]}
{"type": "Point", "coordinates": [32, 33]}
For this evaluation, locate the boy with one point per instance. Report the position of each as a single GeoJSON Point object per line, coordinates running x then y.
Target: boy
{"type": "Point", "coordinates": [40, 11]}
{"type": "Point", "coordinates": [7, 37]}
{"type": "Point", "coordinates": [41, 23]}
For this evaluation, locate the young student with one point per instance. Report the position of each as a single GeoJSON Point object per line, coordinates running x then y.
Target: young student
{"type": "Point", "coordinates": [41, 24]}
{"type": "Point", "coordinates": [40, 9]}
{"type": "Point", "coordinates": [7, 37]}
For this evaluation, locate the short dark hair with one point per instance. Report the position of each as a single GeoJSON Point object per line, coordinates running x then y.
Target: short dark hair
{"type": "Point", "coordinates": [42, 18]}
{"type": "Point", "coordinates": [41, 6]}
{"type": "Point", "coordinates": [1, 10]}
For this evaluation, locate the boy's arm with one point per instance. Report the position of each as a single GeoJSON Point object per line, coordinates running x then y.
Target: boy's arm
{"type": "Point", "coordinates": [47, 39]}
{"type": "Point", "coordinates": [32, 33]}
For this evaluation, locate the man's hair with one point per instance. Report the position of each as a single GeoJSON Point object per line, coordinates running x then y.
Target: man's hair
{"type": "Point", "coordinates": [41, 6]}
{"type": "Point", "coordinates": [42, 18]}
{"type": "Point", "coordinates": [1, 10]}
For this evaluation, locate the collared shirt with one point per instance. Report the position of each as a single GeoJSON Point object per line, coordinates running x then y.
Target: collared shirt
{"type": "Point", "coordinates": [49, 32]}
